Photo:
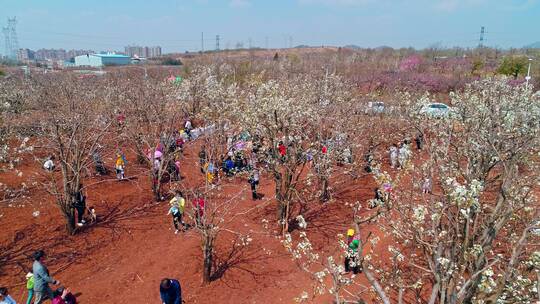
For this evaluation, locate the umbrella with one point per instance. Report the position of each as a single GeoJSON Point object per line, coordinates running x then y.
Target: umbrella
{"type": "Point", "coordinates": [240, 145]}
{"type": "Point", "coordinates": [157, 154]}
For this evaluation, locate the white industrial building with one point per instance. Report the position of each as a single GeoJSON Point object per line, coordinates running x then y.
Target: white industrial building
{"type": "Point", "coordinates": [99, 60]}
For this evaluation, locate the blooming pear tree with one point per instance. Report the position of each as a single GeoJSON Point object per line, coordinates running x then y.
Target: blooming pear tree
{"type": "Point", "coordinates": [472, 238]}
{"type": "Point", "coordinates": [152, 124]}
{"type": "Point", "coordinates": [70, 133]}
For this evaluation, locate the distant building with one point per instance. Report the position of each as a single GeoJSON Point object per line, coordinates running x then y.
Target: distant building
{"type": "Point", "coordinates": [140, 51]}
{"type": "Point", "coordinates": [51, 54]}
{"type": "Point", "coordinates": [25, 55]}
{"type": "Point", "coordinates": [99, 60]}
{"type": "Point", "coordinates": [74, 53]}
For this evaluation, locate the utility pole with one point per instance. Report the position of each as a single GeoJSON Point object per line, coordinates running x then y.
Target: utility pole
{"type": "Point", "coordinates": [202, 42]}
{"type": "Point", "coordinates": [217, 42]}
{"type": "Point", "coordinates": [290, 42]}
{"type": "Point", "coordinates": [528, 77]}
{"type": "Point", "coordinates": [481, 42]}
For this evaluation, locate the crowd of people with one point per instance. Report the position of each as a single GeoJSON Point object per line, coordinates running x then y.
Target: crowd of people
{"type": "Point", "coordinates": [243, 155]}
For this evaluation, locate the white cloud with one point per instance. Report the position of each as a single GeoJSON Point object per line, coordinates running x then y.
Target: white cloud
{"type": "Point", "coordinates": [239, 3]}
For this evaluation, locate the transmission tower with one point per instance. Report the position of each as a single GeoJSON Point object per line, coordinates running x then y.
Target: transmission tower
{"type": "Point", "coordinates": [10, 36]}
{"type": "Point", "coordinates": [481, 42]}
{"type": "Point", "coordinates": [217, 42]}
{"type": "Point", "coordinates": [13, 33]}
{"type": "Point", "coordinates": [7, 44]}
{"type": "Point", "coordinates": [249, 43]}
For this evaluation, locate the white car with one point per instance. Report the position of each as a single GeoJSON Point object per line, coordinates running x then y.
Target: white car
{"type": "Point", "coordinates": [436, 110]}
{"type": "Point", "coordinates": [374, 107]}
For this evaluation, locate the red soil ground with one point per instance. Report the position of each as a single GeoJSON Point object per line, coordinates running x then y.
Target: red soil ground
{"type": "Point", "coordinates": [123, 257]}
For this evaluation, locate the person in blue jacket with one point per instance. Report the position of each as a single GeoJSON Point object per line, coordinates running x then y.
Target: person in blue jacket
{"type": "Point", "coordinates": [170, 291]}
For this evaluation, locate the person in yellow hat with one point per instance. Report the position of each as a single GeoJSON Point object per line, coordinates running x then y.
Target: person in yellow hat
{"type": "Point", "coordinates": [351, 262]}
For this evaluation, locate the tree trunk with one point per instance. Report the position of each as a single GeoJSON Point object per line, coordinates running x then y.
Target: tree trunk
{"type": "Point", "coordinates": [156, 187]}
{"type": "Point", "coordinates": [208, 258]}
{"type": "Point", "coordinates": [325, 195]}
{"type": "Point", "coordinates": [70, 221]}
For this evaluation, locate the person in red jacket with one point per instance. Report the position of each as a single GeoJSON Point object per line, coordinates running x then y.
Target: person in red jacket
{"type": "Point", "coordinates": [198, 205]}
{"type": "Point", "coordinates": [63, 296]}
{"type": "Point", "coordinates": [282, 151]}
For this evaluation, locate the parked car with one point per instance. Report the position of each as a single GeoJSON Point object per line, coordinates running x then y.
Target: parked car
{"type": "Point", "coordinates": [374, 107]}
{"type": "Point", "coordinates": [436, 110]}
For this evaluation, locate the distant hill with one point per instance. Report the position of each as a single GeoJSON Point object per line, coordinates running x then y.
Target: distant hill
{"type": "Point", "coordinates": [352, 46]}
{"type": "Point", "coordinates": [535, 45]}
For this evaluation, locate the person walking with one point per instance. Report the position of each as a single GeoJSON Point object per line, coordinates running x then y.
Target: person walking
{"type": "Point", "coordinates": [80, 205]}
{"type": "Point", "coordinates": [177, 206]}
{"type": "Point", "coordinates": [187, 128]}
{"type": "Point", "coordinates": [42, 279]}
{"type": "Point", "coordinates": [419, 141]}
{"type": "Point", "coordinates": [403, 155]}
{"type": "Point", "coordinates": [393, 156]}
{"type": "Point", "coordinates": [254, 182]}
{"type": "Point", "coordinates": [30, 286]}
{"type": "Point", "coordinates": [198, 205]}
{"type": "Point", "coordinates": [5, 298]}
{"type": "Point", "coordinates": [170, 291]}
{"type": "Point", "coordinates": [202, 158]}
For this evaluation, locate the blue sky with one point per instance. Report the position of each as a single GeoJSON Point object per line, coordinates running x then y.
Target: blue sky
{"type": "Point", "coordinates": [176, 25]}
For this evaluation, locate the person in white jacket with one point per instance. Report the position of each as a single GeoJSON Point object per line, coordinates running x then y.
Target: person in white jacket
{"type": "Point", "coordinates": [393, 156]}
{"type": "Point", "coordinates": [404, 155]}
{"type": "Point", "coordinates": [49, 164]}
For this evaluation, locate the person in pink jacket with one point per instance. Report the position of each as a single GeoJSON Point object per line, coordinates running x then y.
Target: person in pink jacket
{"type": "Point", "coordinates": [63, 296]}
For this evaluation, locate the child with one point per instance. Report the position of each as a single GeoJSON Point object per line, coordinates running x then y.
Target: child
{"type": "Point", "coordinates": [30, 286]}
{"type": "Point", "coordinates": [175, 211]}
{"type": "Point", "coordinates": [210, 174]}
{"type": "Point", "coordinates": [177, 204]}
{"type": "Point", "coordinates": [92, 214]}
{"type": "Point", "coordinates": [427, 186]}
{"type": "Point", "coordinates": [254, 182]}
{"type": "Point", "coordinates": [5, 298]}
{"type": "Point", "coordinates": [49, 164]}
{"type": "Point", "coordinates": [120, 164]}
